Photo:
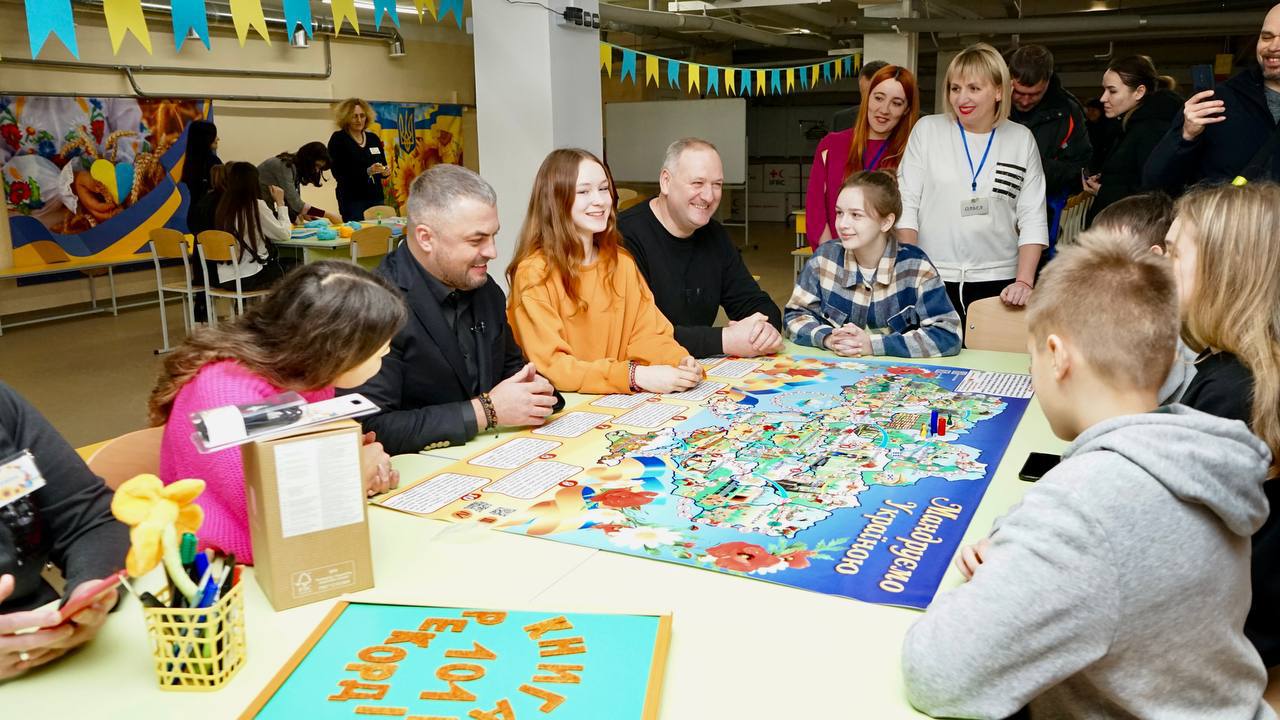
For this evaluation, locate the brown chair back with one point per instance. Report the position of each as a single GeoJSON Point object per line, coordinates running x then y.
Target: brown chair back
{"type": "Point", "coordinates": [992, 325]}
{"type": "Point", "coordinates": [370, 241]}
{"type": "Point", "coordinates": [377, 212]}
{"type": "Point", "coordinates": [218, 246]}
{"type": "Point", "coordinates": [131, 454]}
{"type": "Point", "coordinates": [169, 243]}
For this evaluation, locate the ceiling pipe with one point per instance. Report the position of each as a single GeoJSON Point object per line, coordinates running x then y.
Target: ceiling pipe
{"type": "Point", "coordinates": [706, 23]}
{"type": "Point", "coordinates": [1087, 22]}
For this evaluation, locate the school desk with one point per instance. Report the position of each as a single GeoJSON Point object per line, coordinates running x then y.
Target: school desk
{"type": "Point", "coordinates": [740, 648]}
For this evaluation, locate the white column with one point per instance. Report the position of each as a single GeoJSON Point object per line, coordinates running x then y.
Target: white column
{"type": "Point", "coordinates": [893, 48]}
{"type": "Point", "coordinates": [537, 89]}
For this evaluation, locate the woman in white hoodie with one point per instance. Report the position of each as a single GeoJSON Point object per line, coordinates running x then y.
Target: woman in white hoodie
{"type": "Point", "coordinates": [973, 188]}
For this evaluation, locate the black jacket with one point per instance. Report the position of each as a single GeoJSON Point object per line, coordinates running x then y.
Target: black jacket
{"type": "Point", "coordinates": [422, 387]}
{"type": "Point", "coordinates": [67, 522]}
{"type": "Point", "coordinates": [1121, 163]}
{"type": "Point", "coordinates": [350, 165]}
{"type": "Point", "coordinates": [1221, 152]}
{"type": "Point", "coordinates": [1058, 125]}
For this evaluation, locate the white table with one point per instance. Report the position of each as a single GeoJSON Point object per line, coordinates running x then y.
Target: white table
{"type": "Point", "coordinates": [740, 648]}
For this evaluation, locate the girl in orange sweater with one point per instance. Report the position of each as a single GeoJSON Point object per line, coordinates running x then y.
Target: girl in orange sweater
{"type": "Point", "coordinates": [579, 307]}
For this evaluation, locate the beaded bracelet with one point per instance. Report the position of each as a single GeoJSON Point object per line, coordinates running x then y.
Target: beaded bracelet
{"type": "Point", "coordinates": [490, 414]}
{"type": "Point", "coordinates": [631, 377]}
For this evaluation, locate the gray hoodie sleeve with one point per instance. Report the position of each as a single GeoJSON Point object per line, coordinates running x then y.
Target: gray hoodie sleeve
{"type": "Point", "coordinates": [1042, 606]}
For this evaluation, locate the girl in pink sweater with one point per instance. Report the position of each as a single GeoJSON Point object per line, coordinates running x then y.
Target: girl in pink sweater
{"type": "Point", "coordinates": [325, 325]}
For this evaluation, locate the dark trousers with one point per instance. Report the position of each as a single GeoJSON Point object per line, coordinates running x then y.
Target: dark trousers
{"type": "Point", "coordinates": [963, 294]}
{"type": "Point", "coordinates": [353, 210]}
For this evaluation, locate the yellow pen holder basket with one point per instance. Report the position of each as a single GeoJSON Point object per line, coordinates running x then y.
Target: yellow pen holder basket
{"type": "Point", "coordinates": [198, 648]}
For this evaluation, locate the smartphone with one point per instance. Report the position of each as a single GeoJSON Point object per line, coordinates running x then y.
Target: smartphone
{"type": "Point", "coordinates": [1201, 78]}
{"type": "Point", "coordinates": [1037, 465]}
{"type": "Point", "coordinates": [96, 588]}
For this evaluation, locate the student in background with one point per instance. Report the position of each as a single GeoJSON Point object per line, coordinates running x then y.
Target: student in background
{"type": "Point", "coordinates": [1226, 257]}
{"type": "Point", "coordinates": [67, 523]}
{"type": "Point", "coordinates": [254, 225]}
{"type": "Point", "coordinates": [359, 160]}
{"type": "Point", "coordinates": [1144, 102]}
{"type": "Point", "coordinates": [973, 189]}
{"type": "Point", "coordinates": [868, 294]}
{"type": "Point", "coordinates": [201, 217]}
{"type": "Point", "coordinates": [326, 325]}
{"type": "Point", "coordinates": [579, 306]}
{"type": "Point", "coordinates": [201, 157]}
{"type": "Point", "coordinates": [1119, 585]}
{"type": "Point", "coordinates": [290, 171]}
{"type": "Point", "coordinates": [1145, 219]}
{"type": "Point", "coordinates": [876, 141]}
{"type": "Point", "coordinates": [691, 264]}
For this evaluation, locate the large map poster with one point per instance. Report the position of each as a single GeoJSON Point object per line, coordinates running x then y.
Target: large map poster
{"type": "Point", "coordinates": [848, 477]}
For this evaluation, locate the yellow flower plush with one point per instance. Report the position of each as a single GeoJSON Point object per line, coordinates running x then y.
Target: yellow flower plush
{"type": "Point", "coordinates": [148, 507]}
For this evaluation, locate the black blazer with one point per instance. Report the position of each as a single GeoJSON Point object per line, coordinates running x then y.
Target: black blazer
{"type": "Point", "coordinates": [422, 387]}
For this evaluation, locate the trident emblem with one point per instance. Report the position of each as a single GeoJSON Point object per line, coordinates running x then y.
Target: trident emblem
{"type": "Point", "coordinates": [406, 126]}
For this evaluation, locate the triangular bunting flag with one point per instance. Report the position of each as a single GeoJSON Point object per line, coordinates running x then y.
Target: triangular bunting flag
{"type": "Point", "coordinates": [744, 81]}
{"type": "Point", "coordinates": [791, 79]}
{"type": "Point", "coordinates": [813, 76]}
{"type": "Point", "coordinates": [45, 17]}
{"type": "Point", "coordinates": [125, 16]}
{"type": "Point", "coordinates": [729, 76]}
{"type": "Point", "coordinates": [428, 5]}
{"type": "Point", "coordinates": [839, 68]}
{"type": "Point", "coordinates": [628, 65]}
{"type": "Point", "coordinates": [775, 82]}
{"type": "Point", "coordinates": [297, 12]}
{"type": "Point", "coordinates": [804, 78]}
{"type": "Point", "coordinates": [694, 77]}
{"type": "Point", "coordinates": [713, 79]}
{"type": "Point", "coordinates": [759, 83]}
{"type": "Point", "coordinates": [606, 59]}
{"type": "Point", "coordinates": [673, 73]}
{"type": "Point", "coordinates": [246, 14]}
{"type": "Point", "coordinates": [451, 6]}
{"type": "Point", "coordinates": [857, 62]}
{"type": "Point", "coordinates": [190, 15]}
{"type": "Point", "coordinates": [382, 8]}
{"type": "Point", "coordinates": [826, 71]}
{"type": "Point", "coordinates": [344, 10]}
{"type": "Point", "coordinates": [650, 70]}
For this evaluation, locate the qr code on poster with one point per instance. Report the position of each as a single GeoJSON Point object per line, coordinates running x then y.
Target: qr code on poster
{"type": "Point", "coordinates": [478, 506]}
{"type": "Point", "coordinates": [502, 511]}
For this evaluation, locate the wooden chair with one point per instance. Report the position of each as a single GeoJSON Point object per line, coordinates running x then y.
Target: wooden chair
{"type": "Point", "coordinates": [379, 212]}
{"type": "Point", "coordinates": [370, 242]}
{"type": "Point", "coordinates": [131, 454]}
{"type": "Point", "coordinates": [628, 198]}
{"type": "Point", "coordinates": [1071, 223]}
{"type": "Point", "coordinates": [992, 325]}
{"type": "Point", "coordinates": [170, 244]}
{"type": "Point", "coordinates": [222, 247]}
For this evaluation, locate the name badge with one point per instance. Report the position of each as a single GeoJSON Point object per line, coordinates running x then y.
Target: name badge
{"type": "Point", "coordinates": [974, 206]}
{"type": "Point", "coordinates": [19, 477]}
{"type": "Point", "coordinates": [375, 150]}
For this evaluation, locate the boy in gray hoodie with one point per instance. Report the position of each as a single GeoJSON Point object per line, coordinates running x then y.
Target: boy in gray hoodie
{"type": "Point", "coordinates": [1118, 587]}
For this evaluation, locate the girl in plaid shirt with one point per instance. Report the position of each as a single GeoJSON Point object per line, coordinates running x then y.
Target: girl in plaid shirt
{"type": "Point", "coordinates": [868, 294]}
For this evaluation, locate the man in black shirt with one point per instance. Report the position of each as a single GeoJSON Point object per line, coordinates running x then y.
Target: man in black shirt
{"type": "Point", "coordinates": [690, 263]}
{"type": "Point", "coordinates": [455, 368]}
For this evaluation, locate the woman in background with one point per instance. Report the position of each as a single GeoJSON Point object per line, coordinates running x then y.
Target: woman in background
{"type": "Point", "coordinates": [290, 171]}
{"type": "Point", "coordinates": [876, 141]}
{"type": "Point", "coordinates": [359, 160]}
{"type": "Point", "coordinates": [254, 225]}
{"type": "Point", "coordinates": [201, 157]}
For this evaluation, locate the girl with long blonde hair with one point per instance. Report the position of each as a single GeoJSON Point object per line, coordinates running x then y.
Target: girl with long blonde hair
{"type": "Point", "coordinates": [1225, 245]}
{"type": "Point", "coordinates": [579, 306]}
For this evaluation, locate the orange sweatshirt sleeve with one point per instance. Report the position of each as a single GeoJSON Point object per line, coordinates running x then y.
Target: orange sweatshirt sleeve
{"type": "Point", "coordinates": [653, 339]}
{"type": "Point", "coordinates": [539, 330]}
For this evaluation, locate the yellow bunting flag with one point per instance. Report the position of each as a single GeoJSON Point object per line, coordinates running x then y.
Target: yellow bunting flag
{"type": "Point", "coordinates": [730, 81]}
{"type": "Point", "coordinates": [430, 5]}
{"type": "Point", "coordinates": [839, 69]}
{"type": "Point", "coordinates": [695, 77]}
{"type": "Point", "coordinates": [759, 82]}
{"type": "Point", "coordinates": [857, 62]}
{"type": "Point", "coordinates": [650, 69]}
{"type": "Point", "coordinates": [344, 10]}
{"type": "Point", "coordinates": [813, 75]}
{"type": "Point", "coordinates": [791, 79]}
{"type": "Point", "coordinates": [606, 59]}
{"type": "Point", "coordinates": [246, 14]}
{"type": "Point", "coordinates": [125, 16]}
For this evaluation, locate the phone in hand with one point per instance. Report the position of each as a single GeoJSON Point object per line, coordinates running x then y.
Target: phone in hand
{"type": "Point", "coordinates": [1037, 465]}
{"type": "Point", "coordinates": [96, 588]}
{"type": "Point", "coordinates": [1201, 78]}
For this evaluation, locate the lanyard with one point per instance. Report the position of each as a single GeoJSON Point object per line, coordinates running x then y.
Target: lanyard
{"type": "Point", "coordinates": [876, 160]}
{"type": "Point", "coordinates": [974, 173]}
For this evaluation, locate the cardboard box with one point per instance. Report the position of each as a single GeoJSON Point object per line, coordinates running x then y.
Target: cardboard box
{"type": "Point", "coordinates": [755, 178]}
{"type": "Point", "coordinates": [767, 207]}
{"type": "Point", "coordinates": [307, 514]}
{"type": "Point", "coordinates": [782, 178]}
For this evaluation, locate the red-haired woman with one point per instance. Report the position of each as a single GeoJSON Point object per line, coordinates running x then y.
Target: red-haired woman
{"type": "Point", "coordinates": [579, 307]}
{"type": "Point", "coordinates": [876, 141]}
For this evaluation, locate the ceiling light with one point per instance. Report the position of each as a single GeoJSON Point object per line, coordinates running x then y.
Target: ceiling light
{"type": "Point", "coordinates": [299, 38]}
{"type": "Point", "coordinates": [397, 47]}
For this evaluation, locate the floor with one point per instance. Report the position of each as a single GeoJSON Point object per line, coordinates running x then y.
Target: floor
{"type": "Point", "coordinates": [91, 375]}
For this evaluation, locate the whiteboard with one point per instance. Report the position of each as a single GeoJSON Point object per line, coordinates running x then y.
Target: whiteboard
{"type": "Point", "coordinates": [638, 133]}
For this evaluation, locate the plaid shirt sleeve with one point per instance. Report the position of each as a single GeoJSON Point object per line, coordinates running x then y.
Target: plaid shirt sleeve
{"type": "Point", "coordinates": [929, 325]}
{"type": "Point", "coordinates": [803, 317]}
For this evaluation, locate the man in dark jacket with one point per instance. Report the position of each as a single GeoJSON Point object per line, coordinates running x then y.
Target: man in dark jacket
{"type": "Point", "coordinates": [1220, 132]}
{"type": "Point", "coordinates": [1053, 116]}
{"type": "Point", "coordinates": [454, 369]}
